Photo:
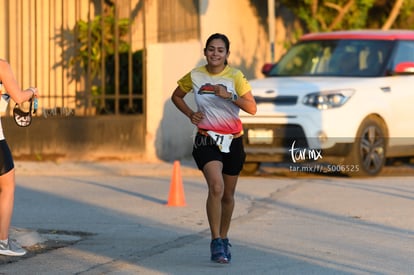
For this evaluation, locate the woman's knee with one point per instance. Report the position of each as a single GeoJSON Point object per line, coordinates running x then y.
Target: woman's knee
{"type": "Point", "coordinates": [228, 196]}
{"type": "Point", "coordinates": [216, 189]}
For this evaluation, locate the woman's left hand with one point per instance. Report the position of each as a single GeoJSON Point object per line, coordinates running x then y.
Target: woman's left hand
{"type": "Point", "coordinates": [34, 91]}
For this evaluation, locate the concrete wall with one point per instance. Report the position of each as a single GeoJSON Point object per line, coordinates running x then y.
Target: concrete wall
{"type": "Point", "coordinates": [78, 138]}
{"type": "Point", "coordinates": [169, 132]}
{"type": "Point", "coordinates": [239, 20]}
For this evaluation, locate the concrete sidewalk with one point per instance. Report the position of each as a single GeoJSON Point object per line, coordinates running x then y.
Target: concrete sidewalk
{"type": "Point", "coordinates": [32, 237]}
{"type": "Point", "coordinates": [115, 217]}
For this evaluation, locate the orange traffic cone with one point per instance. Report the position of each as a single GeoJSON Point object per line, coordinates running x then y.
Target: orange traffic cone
{"type": "Point", "coordinates": [176, 196]}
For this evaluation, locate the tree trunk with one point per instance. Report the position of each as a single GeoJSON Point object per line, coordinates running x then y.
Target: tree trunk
{"type": "Point", "coordinates": [341, 13]}
{"type": "Point", "coordinates": [393, 15]}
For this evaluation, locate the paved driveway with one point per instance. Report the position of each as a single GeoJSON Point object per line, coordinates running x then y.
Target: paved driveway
{"type": "Point", "coordinates": [282, 225]}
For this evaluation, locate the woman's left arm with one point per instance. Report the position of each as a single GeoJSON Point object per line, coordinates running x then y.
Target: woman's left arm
{"type": "Point", "coordinates": [247, 103]}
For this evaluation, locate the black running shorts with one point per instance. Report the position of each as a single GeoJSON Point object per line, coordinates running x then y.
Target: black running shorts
{"type": "Point", "coordinates": [6, 159]}
{"type": "Point", "coordinates": [205, 150]}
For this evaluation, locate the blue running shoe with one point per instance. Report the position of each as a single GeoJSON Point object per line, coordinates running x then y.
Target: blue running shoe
{"type": "Point", "coordinates": [227, 246]}
{"type": "Point", "coordinates": [217, 251]}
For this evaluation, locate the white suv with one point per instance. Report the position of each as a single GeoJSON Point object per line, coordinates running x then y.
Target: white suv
{"type": "Point", "coordinates": [344, 98]}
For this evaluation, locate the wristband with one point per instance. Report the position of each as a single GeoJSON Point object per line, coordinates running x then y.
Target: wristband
{"type": "Point", "coordinates": [233, 97]}
{"type": "Point", "coordinates": [32, 89]}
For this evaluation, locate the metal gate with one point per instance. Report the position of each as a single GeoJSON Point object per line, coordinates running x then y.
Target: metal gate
{"type": "Point", "coordinates": [86, 57]}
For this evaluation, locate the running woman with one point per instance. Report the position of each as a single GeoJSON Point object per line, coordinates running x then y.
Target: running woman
{"type": "Point", "coordinates": [220, 92]}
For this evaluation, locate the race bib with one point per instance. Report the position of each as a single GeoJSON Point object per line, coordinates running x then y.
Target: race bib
{"type": "Point", "coordinates": [222, 141]}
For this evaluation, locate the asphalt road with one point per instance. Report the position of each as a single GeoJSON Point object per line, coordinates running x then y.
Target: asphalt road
{"type": "Point", "coordinates": [283, 224]}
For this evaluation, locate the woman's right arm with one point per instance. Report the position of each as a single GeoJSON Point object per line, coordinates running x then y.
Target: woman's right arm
{"type": "Point", "coordinates": [178, 100]}
{"type": "Point", "coordinates": [11, 85]}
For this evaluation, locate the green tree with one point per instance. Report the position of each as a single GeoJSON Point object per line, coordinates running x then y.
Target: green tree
{"type": "Point", "coordinates": [97, 39]}
{"type": "Point", "coordinates": [320, 16]}
{"type": "Point", "coordinates": [391, 14]}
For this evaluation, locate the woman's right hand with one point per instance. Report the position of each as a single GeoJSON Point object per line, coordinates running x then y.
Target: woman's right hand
{"type": "Point", "coordinates": [196, 117]}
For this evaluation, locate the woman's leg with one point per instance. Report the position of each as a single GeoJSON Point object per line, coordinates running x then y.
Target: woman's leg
{"type": "Point", "coordinates": [227, 204]}
{"type": "Point", "coordinates": [212, 173]}
{"type": "Point", "coordinates": [214, 178]}
{"type": "Point", "coordinates": [7, 186]}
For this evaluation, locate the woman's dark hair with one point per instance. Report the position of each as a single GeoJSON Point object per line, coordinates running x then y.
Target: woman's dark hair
{"type": "Point", "coordinates": [219, 36]}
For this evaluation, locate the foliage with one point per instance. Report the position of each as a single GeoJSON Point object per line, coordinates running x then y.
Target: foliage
{"type": "Point", "coordinates": [96, 39]}
{"type": "Point", "coordinates": [95, 52]}
{"type": "Point", "coordinates": [123, 72]}
{"type": "Point", "coordinates": [331, 15]}
{"type": "Point", "coordinates": [379, 13]}
{"type": "Point", "coordinates": [136, 74]}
